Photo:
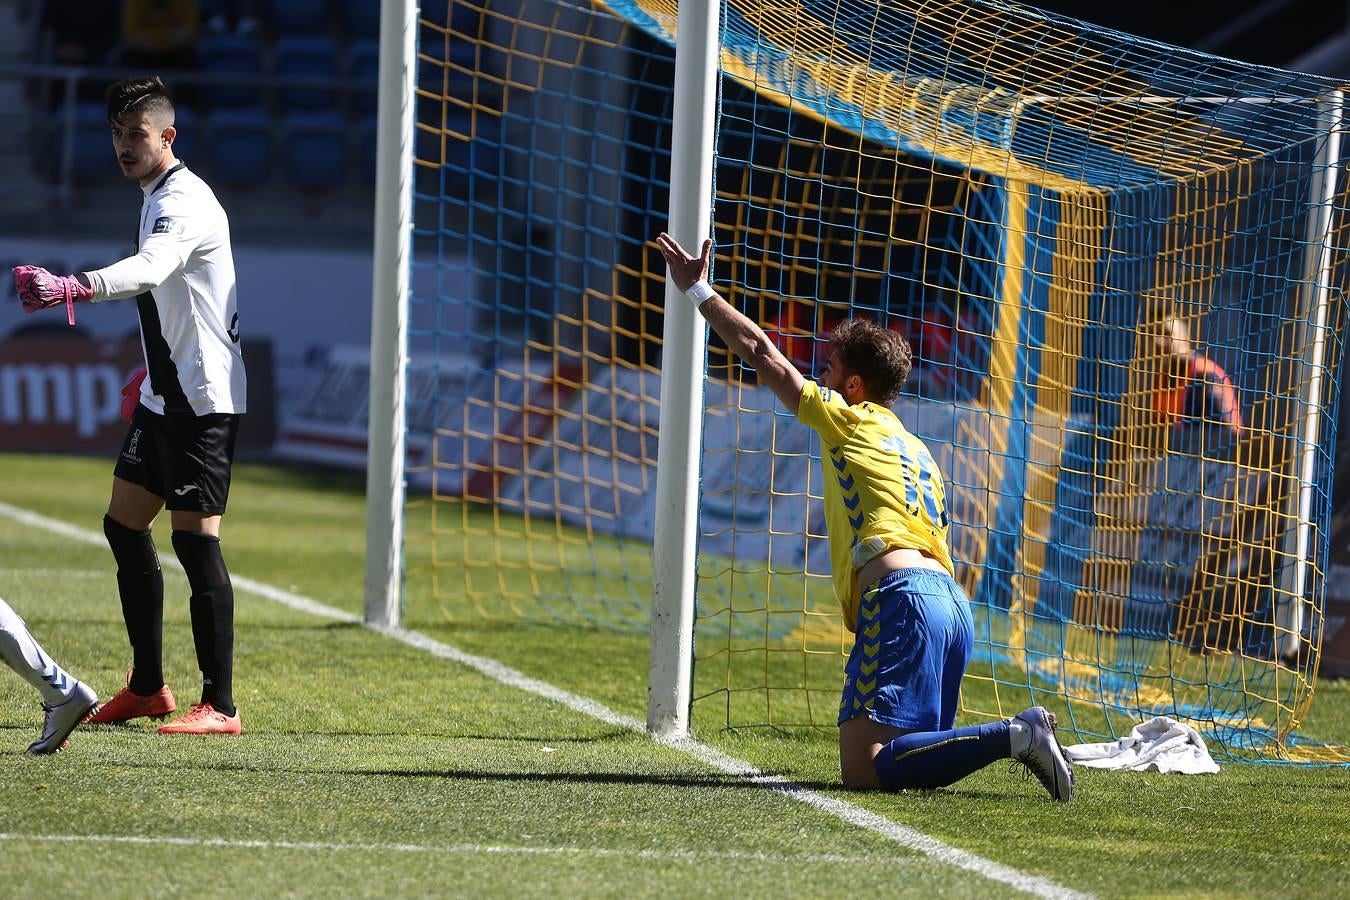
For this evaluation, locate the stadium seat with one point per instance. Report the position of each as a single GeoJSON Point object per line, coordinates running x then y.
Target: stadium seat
{"type": "Point", "coordinates": [185, 144]}
{"type": "Point", "coordinates": [231, 54]}
{"type": "Point", "coordinates": [316, 149]}
{"type": "Point", "coordinates": [306, 57]}
{"type": "Point", "coordinates": [367, 140]}
{"type": "Point", "coordinates": [298, 17]}
{"type": "Point", "coordinates": [92, 154]}
{"type": "Point", "coordinates": [239, 144]}
{"type": "Point", "coordinates": [363, 64]}
{"type": "Point", "coordinates": [362, 19]}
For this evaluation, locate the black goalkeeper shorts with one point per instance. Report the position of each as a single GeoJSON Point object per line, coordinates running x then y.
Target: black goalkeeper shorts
{"type": "Point", "coordinates": [184, 459]}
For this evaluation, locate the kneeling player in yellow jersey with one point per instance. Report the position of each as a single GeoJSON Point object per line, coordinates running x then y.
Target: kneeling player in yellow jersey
{"type": "Point", "coordinates": [886, 513]}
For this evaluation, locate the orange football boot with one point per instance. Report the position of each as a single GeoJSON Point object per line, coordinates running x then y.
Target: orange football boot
{"type": "Point", "coordinates": [203, 719]}
{"type": "Point", "coordinates": [126, 705]}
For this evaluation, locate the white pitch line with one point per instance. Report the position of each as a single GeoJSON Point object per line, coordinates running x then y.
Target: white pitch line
{"type": "Point", "coordinates": [257, 588]}
{"type": "Point", "coordinates": [463, 849]}
{"type": "Point", "coordinates": [854, 815]}
{"type": "Point", "coordinates": [32, 571]}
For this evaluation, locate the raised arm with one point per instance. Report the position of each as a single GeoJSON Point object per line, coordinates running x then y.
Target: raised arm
{"type": "Point", "coordinates": [137, 274]}
{"type": "Point", "coordinates": [745, 338]}
{"type": "Point", "coordinates": [39, 289]}
{"type": "Point", "coordinates": [164, 252]}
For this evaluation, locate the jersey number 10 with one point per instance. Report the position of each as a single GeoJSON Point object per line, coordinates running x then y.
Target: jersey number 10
{"type": "Point", "coordinates": [922, 481]}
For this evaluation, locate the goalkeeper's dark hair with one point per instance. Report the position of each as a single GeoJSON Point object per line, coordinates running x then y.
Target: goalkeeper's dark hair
{"type": "Point", "coordinates": [139, 95]}
{"type": "Point", "coordinates": [879, 356]}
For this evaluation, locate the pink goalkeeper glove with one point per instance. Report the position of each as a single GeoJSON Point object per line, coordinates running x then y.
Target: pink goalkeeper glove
{"type": "Point", "coordinates": [131, 394]}
{"type": "Point", "coordinates": [39, 289]}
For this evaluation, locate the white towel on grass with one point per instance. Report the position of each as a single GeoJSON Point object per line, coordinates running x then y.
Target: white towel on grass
{"type": "Point", "coordinates": [1161, 743]}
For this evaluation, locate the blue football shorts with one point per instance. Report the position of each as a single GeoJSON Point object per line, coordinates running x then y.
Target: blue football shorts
{"type": "Point", "coordinates": [913, 641]}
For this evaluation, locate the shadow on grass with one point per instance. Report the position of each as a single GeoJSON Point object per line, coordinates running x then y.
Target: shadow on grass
{"type": "Point", "coordinates": [147, 728]}
{"type": "Point", "coordinates": [598, 778]}
{"type": "Point", "coordinates": [767, 780]}
{"type": "Point", "coordinates": [611, 778]}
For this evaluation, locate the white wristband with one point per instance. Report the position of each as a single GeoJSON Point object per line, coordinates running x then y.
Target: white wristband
{"type": "Point", "coordinates": [700, 291]}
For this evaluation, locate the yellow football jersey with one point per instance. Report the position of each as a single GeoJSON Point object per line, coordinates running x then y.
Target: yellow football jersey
{"type": "Point", "coordinates": [882, 488]}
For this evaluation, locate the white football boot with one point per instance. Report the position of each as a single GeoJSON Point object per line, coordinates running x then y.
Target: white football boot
{"type": "Point", "coordinates": [62, 718]}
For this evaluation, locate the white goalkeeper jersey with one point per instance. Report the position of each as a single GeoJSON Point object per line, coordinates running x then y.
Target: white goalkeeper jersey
{"type": "Point", "coordinates": [182, 277]}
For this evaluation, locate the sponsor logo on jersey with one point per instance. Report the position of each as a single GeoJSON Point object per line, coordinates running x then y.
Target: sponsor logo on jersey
{"type": "Point", "coordinates": [163, 225]}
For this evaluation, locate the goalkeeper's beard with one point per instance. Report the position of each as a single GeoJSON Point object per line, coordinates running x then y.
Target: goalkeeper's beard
{"type": "Point", "coordinates": [139, 169]}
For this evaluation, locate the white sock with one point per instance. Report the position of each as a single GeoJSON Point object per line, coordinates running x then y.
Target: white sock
{"type": "Point", "coordinates": [22, 654]}
{"type": "Point", "coordinates": [1019, 736]}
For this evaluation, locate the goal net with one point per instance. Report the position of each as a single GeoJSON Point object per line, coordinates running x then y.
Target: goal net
{"type": "Point", "coordinates": [1119, 264]}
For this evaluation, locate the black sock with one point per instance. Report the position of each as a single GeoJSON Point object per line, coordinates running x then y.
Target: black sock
{"type": "Point", "coordinates": [212, 607]}
{"type": "Point", "coordinates": [140, 584]}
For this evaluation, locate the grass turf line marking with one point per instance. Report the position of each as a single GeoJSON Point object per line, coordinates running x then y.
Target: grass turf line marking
{"type": "Point", "coordinates": [257, 588]}
{"type": "Point", "coordinates": [463, 849]}
{"type": "Point", "coordinates": [65, 573]}
{"type": "Point", "coordinates": [854, 815]}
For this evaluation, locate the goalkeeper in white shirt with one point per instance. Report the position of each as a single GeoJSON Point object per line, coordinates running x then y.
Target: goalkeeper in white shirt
{"type": "Point", "coordinates": [179, 448]}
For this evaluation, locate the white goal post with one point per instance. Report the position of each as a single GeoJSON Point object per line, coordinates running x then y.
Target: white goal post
{"type": "Point", "coordinates": [675, 537]}
{"type": "Point", "coordinates": [389, 313]}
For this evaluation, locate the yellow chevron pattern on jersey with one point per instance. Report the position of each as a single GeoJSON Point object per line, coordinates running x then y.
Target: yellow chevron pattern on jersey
{"type": "Point", "coordinates": [882, 488]}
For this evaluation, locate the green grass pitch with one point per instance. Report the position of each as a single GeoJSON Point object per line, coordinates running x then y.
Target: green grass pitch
{"type": "Point", "coordinates": [370, 767]}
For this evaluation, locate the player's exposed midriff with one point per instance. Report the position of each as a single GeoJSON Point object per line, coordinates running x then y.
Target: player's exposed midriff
{"type": "Point", "coordinates": [893, 560]}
